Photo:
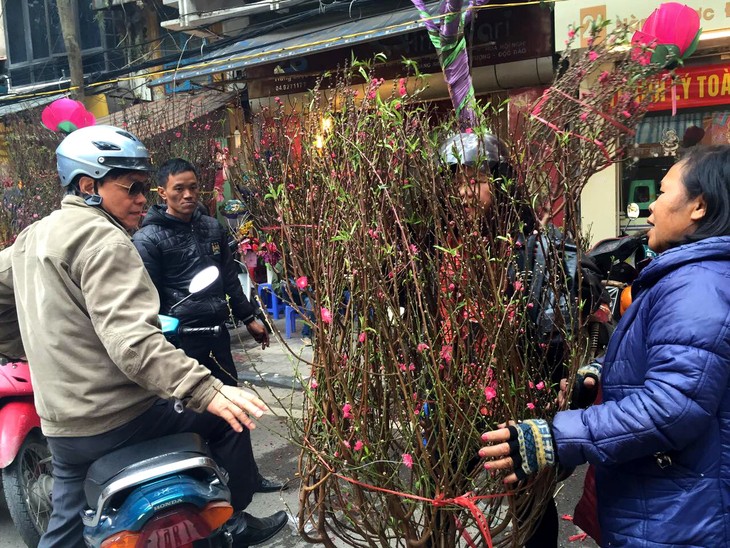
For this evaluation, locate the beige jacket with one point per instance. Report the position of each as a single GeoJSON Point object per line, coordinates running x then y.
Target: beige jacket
{"type": "Point", "coordinates": [74, 288]}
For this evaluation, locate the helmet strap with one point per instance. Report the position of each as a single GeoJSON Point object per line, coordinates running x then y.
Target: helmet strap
{"type": "Point", "coordinates": [93, 200]}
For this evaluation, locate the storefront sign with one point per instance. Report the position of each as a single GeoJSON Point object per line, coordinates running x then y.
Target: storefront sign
{"type": "Point", "coordinates": [509, 34]}
{"type": "Point", "coordinates": [714, 14]}
{"type": "Point", "coordinates": [696, 87]}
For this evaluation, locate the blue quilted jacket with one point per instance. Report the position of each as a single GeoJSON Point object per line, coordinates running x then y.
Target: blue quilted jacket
{"type": "Point", "coordinates": [661, 439]}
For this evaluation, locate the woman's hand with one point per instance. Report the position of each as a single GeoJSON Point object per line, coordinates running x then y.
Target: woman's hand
{"type": "Point", "coordinates": [235, 405]}
{"type": "Point", "coordinates": [500, 451]}
{"type": "Point", "coordinates": [531, 438]}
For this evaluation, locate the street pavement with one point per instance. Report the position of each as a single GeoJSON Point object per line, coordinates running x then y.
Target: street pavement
{"type": "Point", "coordinates": [277, 376]}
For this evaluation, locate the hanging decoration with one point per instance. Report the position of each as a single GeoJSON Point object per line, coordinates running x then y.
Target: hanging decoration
{"type": "Point", "coordinates": [66, 115]}
{"type": "Point", "coordinates": [667, 38]}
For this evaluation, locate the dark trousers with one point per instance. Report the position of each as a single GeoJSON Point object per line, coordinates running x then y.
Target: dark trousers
{"type": "Point", "coordinates": [214, 353]}
{"type": "Point", "coordinates": [546, 534]}
{"type": "Point", "coordinates": [73, 456]}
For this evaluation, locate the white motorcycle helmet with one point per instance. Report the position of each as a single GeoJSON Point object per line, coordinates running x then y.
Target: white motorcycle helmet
{"type": "Point", "coordinates": [482, 151]}
{"type": "Point", "coordinates": [96, 150]}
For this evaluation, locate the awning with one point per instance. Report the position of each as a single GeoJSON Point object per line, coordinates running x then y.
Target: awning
{"type": "Point", "coordinates": [274, 47]}
{"type": "Point", "coordinates": [151, 118]}
{"type": "Point", "coordinates": [12, 108]}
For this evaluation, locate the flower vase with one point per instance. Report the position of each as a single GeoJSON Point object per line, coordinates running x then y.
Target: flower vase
{"type": "Point", "coordinates": [270, 274]}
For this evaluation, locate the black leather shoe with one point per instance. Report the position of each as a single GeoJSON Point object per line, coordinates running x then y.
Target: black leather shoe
{"type": "Point", "coordinates": [248, 530]}
{"type": "Point", "coordinates": [268, 486]}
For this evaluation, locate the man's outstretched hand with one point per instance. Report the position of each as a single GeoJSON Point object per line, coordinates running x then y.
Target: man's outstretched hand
{"type": "Point", "coordinates": [259, 333]}
{"type": "Point", "coordinates": [235, 406]}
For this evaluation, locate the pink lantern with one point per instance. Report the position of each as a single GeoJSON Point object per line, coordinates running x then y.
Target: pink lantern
{"type": "Point", "coordinates": [672, 31]}
{"type": "Point", "coordinates": [66, 115]}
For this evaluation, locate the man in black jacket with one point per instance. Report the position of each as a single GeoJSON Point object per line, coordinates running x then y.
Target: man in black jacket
{"type": "Point", "coordinates": [176, 242]}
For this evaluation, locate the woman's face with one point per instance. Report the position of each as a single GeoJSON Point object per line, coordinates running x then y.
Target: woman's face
{"type": "Point", "coordinates": [475, 189]}
{"type": "Point", "coordinates": [673, 215]}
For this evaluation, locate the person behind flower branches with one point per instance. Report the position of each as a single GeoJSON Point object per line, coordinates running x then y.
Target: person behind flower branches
{"type": "Point", "coordinates": [176, 242]}
{"type": "Point", "coordinates": [660, 439]}
{"type": "Point", "coordinates": [490, 195]}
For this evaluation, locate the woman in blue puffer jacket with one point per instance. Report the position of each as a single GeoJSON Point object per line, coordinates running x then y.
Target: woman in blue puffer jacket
{"type": "Point", "coordinates": [661, 438]}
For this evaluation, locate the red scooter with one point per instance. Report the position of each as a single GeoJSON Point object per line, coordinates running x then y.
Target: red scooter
{"type": "Point", "coordinates": [24, 455]}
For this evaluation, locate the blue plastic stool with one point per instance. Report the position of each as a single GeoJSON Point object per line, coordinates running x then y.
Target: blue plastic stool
{"type": "Point", "coordinates": [270, 300]}
{"type": "Point", "coordinates": [290, 320]}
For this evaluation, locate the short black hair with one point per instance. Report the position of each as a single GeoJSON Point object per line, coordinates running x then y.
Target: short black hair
{"type": "Point", "coordinates": [173, 167]}
{"type": "Point", "coordinates": [706, 173]}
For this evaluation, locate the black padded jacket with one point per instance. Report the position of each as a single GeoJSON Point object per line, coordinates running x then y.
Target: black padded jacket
{"type": "Point", "coordinates": [174, 251]}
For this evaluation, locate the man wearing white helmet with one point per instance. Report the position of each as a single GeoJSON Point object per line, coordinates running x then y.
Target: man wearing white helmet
{"type": "Point", "coordinates": [104, 376]}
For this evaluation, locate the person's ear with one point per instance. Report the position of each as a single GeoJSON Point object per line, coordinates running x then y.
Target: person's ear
{"type": "Point", "coordinates": [162, 193]}
{"type": "Point", "coordinates": [86, 185]}
{"type": "Point", "coordinates": [699, 209]}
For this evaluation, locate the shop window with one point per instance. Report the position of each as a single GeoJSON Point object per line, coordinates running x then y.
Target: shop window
{"type": "Point", "coordinates": [36, 52]}
{"type": "Point", "coordinates": [660, 140]}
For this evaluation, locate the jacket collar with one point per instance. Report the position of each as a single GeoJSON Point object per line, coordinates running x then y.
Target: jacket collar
{"type": "Point", "coordinates": [157, 215]}
{"type": "Point", "coordinates": [71, 202]}
{"type": "Point", "coordinates": [709, 249]}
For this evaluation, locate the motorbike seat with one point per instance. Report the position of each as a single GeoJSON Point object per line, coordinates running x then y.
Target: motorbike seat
{"type": "Point", "coordinates": [140, 456]}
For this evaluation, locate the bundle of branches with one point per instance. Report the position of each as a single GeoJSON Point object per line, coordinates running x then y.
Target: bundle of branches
{"type": "Point", "coordinates": [423, 323]}
{"type": "Point", "coordinates": [30, 188]}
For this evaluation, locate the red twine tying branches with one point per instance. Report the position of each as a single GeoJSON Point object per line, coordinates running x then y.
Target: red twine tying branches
{"type": "Point", "coordinates": [467, 500]}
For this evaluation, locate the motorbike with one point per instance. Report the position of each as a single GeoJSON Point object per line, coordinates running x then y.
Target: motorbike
{"type": "Point", "coordinates": [619, 260]}
{"type": "Point", "coordinates": [24, 455]}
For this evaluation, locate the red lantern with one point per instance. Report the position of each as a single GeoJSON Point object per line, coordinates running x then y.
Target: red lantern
{"type": "Point", "coordinates": [672, 31]}
{"type": "Point", "coordinates": [66, 115]}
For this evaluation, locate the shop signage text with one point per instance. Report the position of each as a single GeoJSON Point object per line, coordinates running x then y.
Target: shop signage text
{"type": "Point", "coordinates": [695, 87]}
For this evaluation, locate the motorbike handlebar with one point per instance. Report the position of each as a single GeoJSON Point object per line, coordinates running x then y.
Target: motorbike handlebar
{"type": "Point", "coordinates": [200, 331]}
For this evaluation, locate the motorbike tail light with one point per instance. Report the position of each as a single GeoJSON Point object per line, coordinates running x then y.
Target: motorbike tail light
{"type": "Point", "coordinates": [176, 528]}
{"type": "Point", "coordinates": [123, 539]}
{"type": "Point", "coordinates": [216, 514]}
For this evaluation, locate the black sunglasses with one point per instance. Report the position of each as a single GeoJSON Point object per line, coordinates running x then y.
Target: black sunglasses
{"type": "Point", "coordinates": [136, 188]}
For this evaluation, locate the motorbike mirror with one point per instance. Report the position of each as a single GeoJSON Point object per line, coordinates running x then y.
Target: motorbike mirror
{"type": "Point", "coordinates": [632, 210]}
{"type": "Point", "coordinates": [203, 279]}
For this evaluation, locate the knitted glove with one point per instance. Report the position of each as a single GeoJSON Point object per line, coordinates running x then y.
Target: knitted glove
{"type": "Point", "coordinates": [582, 395]}
{"type": "Point", "coordinates": [531, 447]}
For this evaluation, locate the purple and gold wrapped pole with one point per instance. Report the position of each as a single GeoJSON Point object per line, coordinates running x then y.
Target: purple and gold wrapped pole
{"type": "Point", "coordinates": [450, 42]}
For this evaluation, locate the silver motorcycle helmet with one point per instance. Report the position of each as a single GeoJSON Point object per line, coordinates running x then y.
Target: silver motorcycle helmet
{"type": "Point", "coordinates": [96, 150]}
{"type": "Point", "coordinates": [482, 151]}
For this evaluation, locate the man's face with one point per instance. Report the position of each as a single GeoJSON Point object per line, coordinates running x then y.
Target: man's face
{"type": "Point", "coordinates": [475, 189]}
{"type": "Point", "coordinates": [124, 197]}
{"type": "Point", "coordinates": [181, 193]}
